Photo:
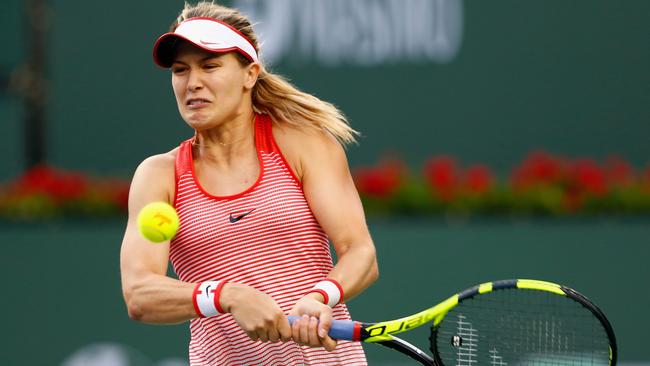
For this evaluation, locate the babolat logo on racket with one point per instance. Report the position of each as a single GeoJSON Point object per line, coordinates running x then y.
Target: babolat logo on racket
{"type": "Point", "coordinates": [381, 329]}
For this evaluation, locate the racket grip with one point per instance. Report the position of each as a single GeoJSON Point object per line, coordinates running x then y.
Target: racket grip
{"type": "Point", "coordinates": [341, 329]}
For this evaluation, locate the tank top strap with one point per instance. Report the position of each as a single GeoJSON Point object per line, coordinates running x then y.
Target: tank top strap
{"type": "Point", "coordinates": [265, 143]}
{"type": "Point", "coordinates": [184, 158]}
{"type": "Point", "coordinates": [264, 134]}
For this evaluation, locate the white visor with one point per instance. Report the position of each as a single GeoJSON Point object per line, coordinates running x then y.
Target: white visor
{"type": "Point", "coordinates": [206, 33]}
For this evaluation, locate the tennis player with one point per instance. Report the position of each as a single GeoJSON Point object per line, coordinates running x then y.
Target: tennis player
{"type": "Point", "coordinates": [261, 189]}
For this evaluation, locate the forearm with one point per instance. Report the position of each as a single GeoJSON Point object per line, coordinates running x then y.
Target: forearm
{"type": "Point", "coordinates": [160, 299]}
{"type": "Point", "coordinates": [355, 270]}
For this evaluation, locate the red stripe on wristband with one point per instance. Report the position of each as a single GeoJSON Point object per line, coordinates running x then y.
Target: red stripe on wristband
{"type": "Point", "coordinates": [326, 297]}
{"type": "Point", "coordinates": [196, 305]}
{"type": "Point", "coordinates": [217, 295]}
{"type": "Point", "coordinates": [339, 287]}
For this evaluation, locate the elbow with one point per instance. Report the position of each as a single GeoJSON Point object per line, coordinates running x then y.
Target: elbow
{"type": "Point", "coordinates": [374, 273]}
{"type": "Point", "coordinates": [134, 306]}
{"type": "Point", "coordinates": [135, 312]}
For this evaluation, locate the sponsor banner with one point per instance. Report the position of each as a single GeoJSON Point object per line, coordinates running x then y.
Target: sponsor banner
{"type": "Point", "coordinates": [359, 32]}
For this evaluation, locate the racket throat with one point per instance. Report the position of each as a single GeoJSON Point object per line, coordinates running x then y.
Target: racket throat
{"type": "Point", "coordinates": [408, 349]}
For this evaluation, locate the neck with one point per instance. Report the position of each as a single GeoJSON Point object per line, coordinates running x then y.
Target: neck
{"type": "Point", "coordinates": [226, 141]}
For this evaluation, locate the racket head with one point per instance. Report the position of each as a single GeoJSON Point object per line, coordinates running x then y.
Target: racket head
{"type": "Point", "coordinates": [523, 322]}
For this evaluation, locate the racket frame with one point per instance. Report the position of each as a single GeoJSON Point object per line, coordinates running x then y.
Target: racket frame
{"type": "Point", "coordinates": [383, 332]}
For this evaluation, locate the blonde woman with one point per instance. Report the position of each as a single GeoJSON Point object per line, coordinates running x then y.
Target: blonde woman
{"type": "Point", "coordinates": [261, 189]}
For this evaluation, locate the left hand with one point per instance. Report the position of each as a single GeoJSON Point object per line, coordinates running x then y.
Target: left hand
{"type": "Point", "coordinates": [314, 323]}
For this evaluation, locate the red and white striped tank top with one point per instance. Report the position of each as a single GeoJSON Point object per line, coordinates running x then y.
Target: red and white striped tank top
{"type": "Point", "coordinates": [265, 237]}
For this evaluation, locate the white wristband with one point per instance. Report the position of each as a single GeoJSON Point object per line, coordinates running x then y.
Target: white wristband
{"type": "Point", "coordinates": [331, 291]}
{"type": "Point", "coordinates": [206, 298]}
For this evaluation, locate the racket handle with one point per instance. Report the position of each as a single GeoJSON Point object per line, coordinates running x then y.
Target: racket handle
{"type": "Point", "coordinates": [341, 329]}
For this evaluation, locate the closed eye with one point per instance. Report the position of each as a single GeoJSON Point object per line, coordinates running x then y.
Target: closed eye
{"type": "Point", "coordinates": [178, 69]}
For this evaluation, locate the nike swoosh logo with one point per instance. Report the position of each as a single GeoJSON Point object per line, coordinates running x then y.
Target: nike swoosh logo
{"type": "Point", "coordinates": [208, 43]}
{"type": "Point", "coordinates": [207, 291]}
{"type": "Point", "coordinates": [234, 219]}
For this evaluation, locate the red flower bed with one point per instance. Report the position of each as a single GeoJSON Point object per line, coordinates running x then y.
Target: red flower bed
{"type": "Point", "coordinates": [45, 191]}
{"type": "Point", "coordinates": [541, 184]}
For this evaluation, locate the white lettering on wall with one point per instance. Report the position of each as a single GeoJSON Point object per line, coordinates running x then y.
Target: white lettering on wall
{"type": "Point", "coordinates": [357, 32]}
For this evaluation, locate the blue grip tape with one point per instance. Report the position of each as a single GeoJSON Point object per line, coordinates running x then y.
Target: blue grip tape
{"type": "Point", "coordinates": [341, 329]}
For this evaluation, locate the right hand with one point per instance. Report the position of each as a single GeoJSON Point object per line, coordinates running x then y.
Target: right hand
{"type": "Point", "coordinates": [255, 312]}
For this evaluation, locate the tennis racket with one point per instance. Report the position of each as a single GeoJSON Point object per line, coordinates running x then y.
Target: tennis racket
{"type": "Point", "coordinates": [508, 322]}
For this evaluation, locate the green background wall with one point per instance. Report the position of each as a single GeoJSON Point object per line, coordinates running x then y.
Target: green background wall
{"type": "Point", "coordinates": [571, 77]}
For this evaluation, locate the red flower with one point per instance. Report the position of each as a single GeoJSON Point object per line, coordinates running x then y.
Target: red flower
{"type": "Point", "coordinates": [618, 171]}
{"type": "Point", "coordinates": [586, 176]}
{"type": "Point", "coordinates": [382, 180]}
{"type": "Point", "coordinates": [441, 173]}
{"type": "Point", "coordinates": [478, 179]}
{"type": "Point", "coordinates": [539, 167]}
{"type": "Point", "coordinates": [46, 180]}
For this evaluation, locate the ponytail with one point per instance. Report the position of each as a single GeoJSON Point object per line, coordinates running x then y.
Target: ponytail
{"type": "Point", "coordinates": [275, 96]}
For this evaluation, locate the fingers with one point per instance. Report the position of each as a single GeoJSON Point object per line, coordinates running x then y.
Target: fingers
{"type": "Point", "coordinates": [312, 332]}
{"type": "Point", "coordinates": [273, 334]}
{"type": "Point", "coordinates": [252, 335]}
{"type": "Point", "coordinates": [295, 331]}
{"type": "Point", "coordinates": [284, 329]}
{"type": "Point", "coordinates": [271, 330]}
{"type": "Point", "coordinates": [300, 330]}
{"type": "Point", "coordinates": [303, 331]}
{"type": "Point", "coordinates": [325, 323]}
{"type": "Point", "coordinates": [328, 343]}
{"type": "Point", "coordinates": [262, 335]}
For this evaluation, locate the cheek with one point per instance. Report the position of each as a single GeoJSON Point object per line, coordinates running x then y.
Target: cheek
{"type": "Point", "coordinates": [178, 89]}
{"type": "Point", "coordinates": [235, 86]}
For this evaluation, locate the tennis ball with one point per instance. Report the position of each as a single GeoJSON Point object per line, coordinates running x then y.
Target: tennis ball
{"type": "Point", "coordinates": [158, 222]}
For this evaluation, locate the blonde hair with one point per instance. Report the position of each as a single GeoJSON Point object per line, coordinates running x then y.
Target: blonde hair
{"type": "Point", "coordinates": [273, 94]}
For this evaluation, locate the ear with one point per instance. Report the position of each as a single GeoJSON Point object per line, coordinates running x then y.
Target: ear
{"type": "Point", "coordinates": [252, 72]}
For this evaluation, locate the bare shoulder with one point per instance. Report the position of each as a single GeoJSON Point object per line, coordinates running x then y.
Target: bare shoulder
{"type": "Point", "coordinates": [155, 177]}
{"type": "Point", "coordinates": [159, 163]}
{"type": "Point", "coordinates": [303, 147]}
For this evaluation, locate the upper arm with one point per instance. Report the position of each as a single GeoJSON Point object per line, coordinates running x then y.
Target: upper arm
{"type": "Point", "coordinates": [152, 181]}
{"type": "Point", "coordinates": [321, 164]}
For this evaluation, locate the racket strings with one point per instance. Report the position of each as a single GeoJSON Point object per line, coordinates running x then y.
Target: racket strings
{"type": "Point", "coordinates": [521, 327]}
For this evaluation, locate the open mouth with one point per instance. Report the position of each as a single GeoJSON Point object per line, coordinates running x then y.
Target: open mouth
{"type": "Point", "coordinates": [197, 103]}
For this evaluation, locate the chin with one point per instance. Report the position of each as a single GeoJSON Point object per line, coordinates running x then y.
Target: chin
{"type": "Point", "coordinates": [196, 119]}
{"type": "Point", "coordinates": [198, 126]}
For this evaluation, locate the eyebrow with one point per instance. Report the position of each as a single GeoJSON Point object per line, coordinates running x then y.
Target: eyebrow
{"type": "Point", "coordinates": [206, 58]}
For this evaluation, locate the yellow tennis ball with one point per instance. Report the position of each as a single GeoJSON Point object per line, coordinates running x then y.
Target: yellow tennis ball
{"type": "Point", "coordinates": [158, 222]}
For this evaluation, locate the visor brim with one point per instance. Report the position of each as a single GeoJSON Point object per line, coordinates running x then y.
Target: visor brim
{"type": "Point", "coordinates": [164, 50]}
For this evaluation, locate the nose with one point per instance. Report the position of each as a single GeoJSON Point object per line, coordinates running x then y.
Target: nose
{"type": "Point", "coordinates": [194, 81]}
